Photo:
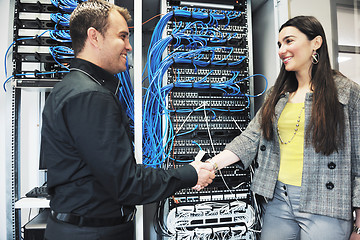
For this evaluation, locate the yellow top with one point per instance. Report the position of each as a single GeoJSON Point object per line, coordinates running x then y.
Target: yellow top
{"type": "Point", "coordinates": [291, 153]}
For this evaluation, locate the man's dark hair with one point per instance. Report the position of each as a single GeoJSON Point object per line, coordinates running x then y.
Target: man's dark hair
{"type": "Point", "coordinates": [91, 13]}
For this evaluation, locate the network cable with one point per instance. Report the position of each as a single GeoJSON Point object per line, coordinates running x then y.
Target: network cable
{"type": "Point", "coordinates": [66, 5]}
{"type": "Point", "coordinates": [60, 35]}
{"type": "Point", "coordinates": [199, 55]}
{"type": "Point", "coordinates": [126, 94]}
{"type": "Point", "coordinates": [35, 74]}
{"type": "Point", "coordinates": [61, 18]}
{"type": "Point", "coordinates": [60, 53]}
{"type": "Point", "coordinates": [211, 220]}
{"type": "Point", "coordinates": [7, 52]}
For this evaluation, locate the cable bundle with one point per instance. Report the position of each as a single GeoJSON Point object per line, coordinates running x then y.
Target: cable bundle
{"type": "Point", "coordinates": [61, 52]}
{"type": "Point", "coordinates": [60, 35]}
{"type": "Point", "coordinates": [55, 52]}
{"type": "Point", "coordinates": [197, 14]}
{"type": "Point", "coordinates": [211, 220]}
{"type": "Point", "coordinates": [237, 232]}
{"type": "Point", "coordinates": [66, 5]}
{"type": "Point", "coordinates": [61, 18]}
{"type": "Point", "coordinates": [58, 52]}
{"type": "Point", "coordinates": [126, 94]}
{"type": "Point", "coordinates": [191, 42]}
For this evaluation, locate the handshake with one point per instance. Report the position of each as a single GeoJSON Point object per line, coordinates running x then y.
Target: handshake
{"type": "Point", "coordinates": [205, 172]}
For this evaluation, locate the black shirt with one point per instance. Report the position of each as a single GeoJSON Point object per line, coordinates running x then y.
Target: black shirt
{"type": "Point", "coordinates": [87, 149]}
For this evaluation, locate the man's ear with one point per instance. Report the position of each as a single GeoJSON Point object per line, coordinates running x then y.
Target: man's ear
{"type": "Point", "coordinates": [93, 37]}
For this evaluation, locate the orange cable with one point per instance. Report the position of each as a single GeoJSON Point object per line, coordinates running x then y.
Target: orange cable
{"type": "Point", "coordinates": [149, 19]}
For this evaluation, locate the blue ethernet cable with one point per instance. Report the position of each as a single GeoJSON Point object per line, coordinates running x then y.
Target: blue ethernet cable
{"type": "Point", "coordinates": [66, 5]}
{"type": "Point", "coordinates": [19, 39]}
{"type": "Point", "coordinates": [199, 15]}
{"type": "Point", "coordinates": [126, 94]}
{"type": "Point", "coordinates": [194, 142]}
{"type": "Point", "coordinates": [8, 79]}
{"type": "Point", "coordinates": [188, 38]}
{"type": "Point", "coordinates": [29, 74]}
{"type": "Point", "coordinates": [8, 49]}
{"type": "Point", "coordinates": [22, 74]}
{"type": "Point", "coordinates": [61, 18]}
{"type": "Point", "coordinates": [157, 101]}
{"type": "Point", "coordinates": [60, 35]}
{"type": "Point", "coordinates": [61, 52]}
{"type": "Point", "coordinates": [58, 52]}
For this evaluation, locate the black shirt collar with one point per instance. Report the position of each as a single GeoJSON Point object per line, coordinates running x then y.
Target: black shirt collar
{"type": "Point", "coordinates": [101, 76]}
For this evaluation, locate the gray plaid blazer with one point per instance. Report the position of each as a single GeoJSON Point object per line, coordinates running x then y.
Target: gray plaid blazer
{"type": "Point", "coordinates": [330, 184]}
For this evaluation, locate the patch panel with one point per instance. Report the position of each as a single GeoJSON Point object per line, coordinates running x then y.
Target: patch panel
{"type": "Point", "coordinates": [36, 1]}
{"type": "Point", "coordinates": [37, 83]}
{"type": "Point", "coordinates": [209, 79]}
{"type": "Point", "coordinates": [34, 16]}
{"type": "Point", "coordinates": [215, 192]}
{"type": "Point", "coordinates": [36, 6]}
{"type": "Point", "coordinates": [181, 142]}
{"type": "Point", "coordinates": [205, 93]}
{"type": "Point", "coordinates": [44, 40]}
{"type": "Point", "coordinates": [204, 126]}
{"type": "Point", "coordinates": [227, 104]}
{"type": "Point", "coordinates": [202, 71]}
{"type": "Point", "coordinates": [42, 48]}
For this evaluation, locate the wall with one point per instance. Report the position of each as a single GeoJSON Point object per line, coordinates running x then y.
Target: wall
{"type": "Point", "coordinates": [319, 9]}
{"type": "Point", "coordinates": [264, 47]}
{"type": "Point", "coordinates": [267, 19]}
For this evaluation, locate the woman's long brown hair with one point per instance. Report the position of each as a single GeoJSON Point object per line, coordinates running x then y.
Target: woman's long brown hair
{"type": "Point", "coordinates": [326, 127]}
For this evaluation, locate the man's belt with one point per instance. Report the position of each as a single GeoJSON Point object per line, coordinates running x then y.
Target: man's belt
{"type": "Point", "coordinates": [90, 221]}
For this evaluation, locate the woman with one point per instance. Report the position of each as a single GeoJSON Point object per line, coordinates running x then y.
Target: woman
{"type": "Point", "coordinates": [305, 141]}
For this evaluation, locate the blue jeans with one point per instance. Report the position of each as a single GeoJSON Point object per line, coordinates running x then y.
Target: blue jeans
{"type": "Point", "coordinates": [284, 221]}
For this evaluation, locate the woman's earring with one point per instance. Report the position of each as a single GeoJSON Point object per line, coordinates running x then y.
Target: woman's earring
{"type": "Point", "coordinates": [315, 57]}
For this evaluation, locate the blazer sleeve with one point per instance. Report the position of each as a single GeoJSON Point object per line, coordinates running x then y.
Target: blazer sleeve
{"type": "Point", "coordinates": [354, 117]}
{"type": "Point", "coordinates": [245, 146]}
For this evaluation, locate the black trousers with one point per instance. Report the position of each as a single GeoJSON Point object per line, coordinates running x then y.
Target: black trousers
{"type": "Point", "coordinates": [57, 230]}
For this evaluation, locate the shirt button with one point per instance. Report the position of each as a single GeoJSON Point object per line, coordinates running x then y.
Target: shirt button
{"type": "Point", "coordinates": [262, 147]}
{"type": "Point", "coordinates": [329, 185]}
{"type": "Point", "coordinates": [331, 165]}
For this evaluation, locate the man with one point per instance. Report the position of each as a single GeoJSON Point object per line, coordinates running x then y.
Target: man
{"type": "Point", "coordinates": [93, 179]}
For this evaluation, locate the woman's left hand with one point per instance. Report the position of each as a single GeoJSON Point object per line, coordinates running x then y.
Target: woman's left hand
{"type": "Point", "coordinates": [354, 236]}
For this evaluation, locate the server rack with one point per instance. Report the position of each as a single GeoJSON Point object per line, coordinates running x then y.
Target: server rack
{"type": "Point", "coordinates": [42, 45]}
{"type": "Point", "coordinates": [41, 54]}
{"type": "Point", "coordinates": [208, 93]}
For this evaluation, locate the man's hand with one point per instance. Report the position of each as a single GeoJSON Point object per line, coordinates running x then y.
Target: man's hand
{"type": "Point", "coordinates": [205, 173]}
